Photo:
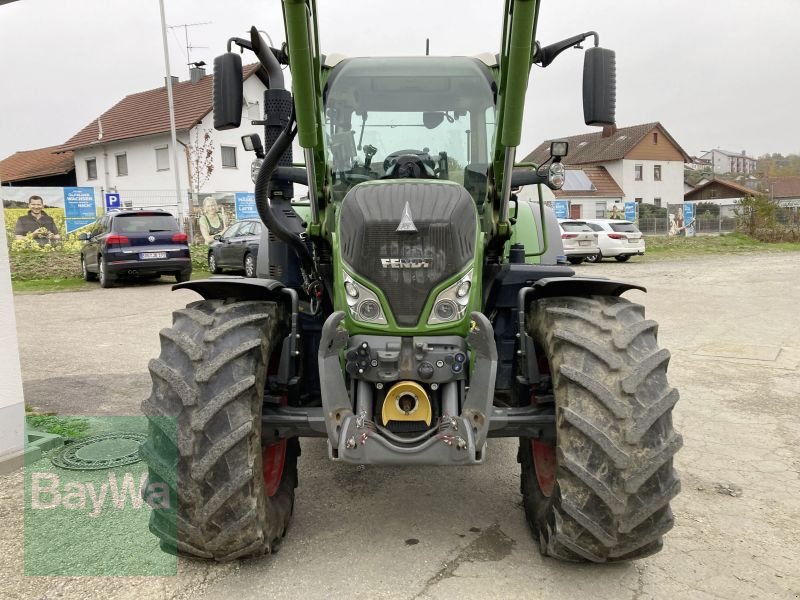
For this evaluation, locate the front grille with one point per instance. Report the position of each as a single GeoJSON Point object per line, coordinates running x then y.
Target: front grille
{"type": "Point", "coordinates": [445, 218]}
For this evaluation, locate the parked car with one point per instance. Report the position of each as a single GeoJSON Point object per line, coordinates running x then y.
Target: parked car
{"type": "Point", "coordinates": [236, 248]}
{"type": "Point", "coordinates": [578, 239]}
{"type": "Point", "coordinates": [135, 243]}
{"type": "Point", "coordinates": [617, 238]}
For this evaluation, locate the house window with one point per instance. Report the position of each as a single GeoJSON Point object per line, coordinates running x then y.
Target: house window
{"type": "Point", "coordinates": [91, 168]}
{"type": "Point", "coordinates": [637, 172]}
{"type": "Point", "coordinates": [162, 158]}
{"type": "Point", "coordinates": [599, 210]}
{"type": "Point", "coordinates": [122, 165]}
{"type": "Point", "coordinates": [228, 157]}
{"type": "Point", "coordinates": [657, 202]}
{"type": "Point", "coordinates": [655, 137]}
{"type": "Point", "coordinates": [657, 172]}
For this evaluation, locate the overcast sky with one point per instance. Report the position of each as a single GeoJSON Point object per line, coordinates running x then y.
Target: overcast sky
{"type": "Point", "coordinates": [716, 73]}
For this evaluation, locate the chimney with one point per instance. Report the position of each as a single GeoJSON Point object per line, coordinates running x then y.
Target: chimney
{"type": "Point", "coordinates": [609, 130]}
{"type": "Point", "coordinates": [744, 153]}
{"type": "Point", "coordinates": [174, 80]}
{"type": "Point", "coordinates": [196, 74]}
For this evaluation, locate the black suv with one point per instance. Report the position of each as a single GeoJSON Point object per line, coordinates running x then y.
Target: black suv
{"type": "Point", "coordinates": [134, 243]}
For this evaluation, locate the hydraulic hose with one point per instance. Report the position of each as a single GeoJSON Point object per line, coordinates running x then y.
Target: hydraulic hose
{"type": "Point", "coordinates": [263, 189]}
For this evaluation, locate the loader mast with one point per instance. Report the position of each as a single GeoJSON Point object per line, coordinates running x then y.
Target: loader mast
{"type": "Point", "coordinates": [516, 56]}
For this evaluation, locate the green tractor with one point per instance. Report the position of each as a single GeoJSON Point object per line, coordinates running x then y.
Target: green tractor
{"type": "Point", "coordinates": [410, 309]}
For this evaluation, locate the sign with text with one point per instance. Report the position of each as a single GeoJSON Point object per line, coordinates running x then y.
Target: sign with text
{"type": "Point", "coordinates": [246, 206]}
{"type": "Point", "coordinates": [630, 211]}
{"type": "Point", "coordinates": [79, 207]}
{"type": "Point", "coordinates": [688, 218]}
{"type": "Point", "coordinates": [561, 208]}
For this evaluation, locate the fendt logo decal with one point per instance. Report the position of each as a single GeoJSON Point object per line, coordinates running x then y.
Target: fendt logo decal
{"type": "Point", "coordinates": [406, 263]}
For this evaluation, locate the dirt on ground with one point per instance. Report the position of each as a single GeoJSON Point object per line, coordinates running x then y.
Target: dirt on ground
{"type": "Point", "coordinates": [733, 327]}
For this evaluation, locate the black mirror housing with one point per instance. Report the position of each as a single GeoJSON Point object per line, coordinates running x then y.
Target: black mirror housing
{"type": "Point", "coordinates": [599, 86]}
{"type": "Point", "coordinates": [228, 91]}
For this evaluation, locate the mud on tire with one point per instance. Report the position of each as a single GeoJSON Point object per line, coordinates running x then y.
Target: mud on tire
{"type": "Point", "coordinates": [205, 412]}
{"type": "Point", "coordinates": [615, 441]}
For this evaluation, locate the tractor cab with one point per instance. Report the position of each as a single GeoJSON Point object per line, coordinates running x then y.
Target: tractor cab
{"type": "Point", "coordinates": [409, 118]}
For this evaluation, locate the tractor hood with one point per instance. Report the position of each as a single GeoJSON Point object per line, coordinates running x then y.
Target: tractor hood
{"type": "Point", "coordinates": [408, 240]}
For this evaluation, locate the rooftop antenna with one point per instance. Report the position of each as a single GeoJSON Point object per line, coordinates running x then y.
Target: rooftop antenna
{"type": "Point", "coordinates": [189, 47]}
{"type": "Point", "coordinates": [427, 46]}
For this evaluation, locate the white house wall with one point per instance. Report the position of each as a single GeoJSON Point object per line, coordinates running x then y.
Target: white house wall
{"type": "Point", "coordinates": [143, 176]}
{"type": "Point", "coordinates": [669, 189]}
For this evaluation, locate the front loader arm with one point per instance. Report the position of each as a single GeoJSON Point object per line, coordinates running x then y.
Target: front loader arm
{"type": "Point", "coordinates": [519, 29]}
{"type": "Point", "coordinates": [302, 39]}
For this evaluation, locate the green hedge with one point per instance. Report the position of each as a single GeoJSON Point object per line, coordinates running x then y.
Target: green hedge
{"type": "Point", "coordinates": [29, 265]}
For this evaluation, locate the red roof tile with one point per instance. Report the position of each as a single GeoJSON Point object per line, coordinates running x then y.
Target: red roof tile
{"type": "Point", "coordinates": [605, 186]}
{"type": "Point", "coordinates": [147, 113]}
{"type": "Point", "coordinates": [590, 148]}
{"type": "Point", "coordinates": [784, 187]}
{"type": "Point", "coordinates": [32, 164]}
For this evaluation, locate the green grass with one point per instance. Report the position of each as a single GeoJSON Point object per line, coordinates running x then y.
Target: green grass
{"type": "Point", "coordinates": [68, 427]}
{"type": "Point", "coordinates": [733, 243]}
{"type": "Point", "coordinates": [48, 286]}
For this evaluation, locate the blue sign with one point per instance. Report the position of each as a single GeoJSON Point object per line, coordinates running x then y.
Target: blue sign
{"type": "Point", "coordinates": [561, 208]}
{"type": "Point", "coordinates": [688, 218]}
{"type": "Point", "coordinates": [246, 206]}
{"type": "Point", "coordinates": [113, 202]}
{"type": "Point", "coordinates": [73, 224]}
{"type": "Point", "coordinates": [79, 207]}
{"type": "Point", "coordinates": [630, 211]}
{"type": "Point", "coordinates": [79, 203]}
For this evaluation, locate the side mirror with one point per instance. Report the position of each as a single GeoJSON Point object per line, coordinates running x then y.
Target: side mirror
{"type": "Point", "coordinates": [599, 86]}
{"type": "Point", "coordinates": [228, 91]}
{"type": "Point", "coordinates": [218, 237]}
{"type": "Point", "coordinates": [83, 237]}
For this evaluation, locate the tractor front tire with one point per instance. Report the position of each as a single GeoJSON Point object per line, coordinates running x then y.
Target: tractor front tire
{"type": "Point", "coordinates": [600, 491]}
{"type": "Point", "coordinates": [234, 498]}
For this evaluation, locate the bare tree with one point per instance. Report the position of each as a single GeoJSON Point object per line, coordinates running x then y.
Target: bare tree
{"type": "Point", "coordinates": [200, 158]}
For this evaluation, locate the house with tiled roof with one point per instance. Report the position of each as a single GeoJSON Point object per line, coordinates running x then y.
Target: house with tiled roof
{"type": "Point", "coordinates": [784, 191]}
{"type": "Point", "coordinates": [42, 167]}
{"type": "Point", "coordinates": [591, 191]}
{"type": "Point", "coordinates": [644, 161]}
{"type": "Point", "coordinates": [127, 148]}
{"type": "Point", "coordinates": [722, 192]}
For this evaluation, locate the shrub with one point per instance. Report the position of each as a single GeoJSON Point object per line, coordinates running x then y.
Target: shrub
{"type": "Point", "coordinates": [757, 216]}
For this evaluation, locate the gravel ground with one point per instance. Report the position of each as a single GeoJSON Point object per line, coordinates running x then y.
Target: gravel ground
{"type": "Point", "coordinates": [732, 325]}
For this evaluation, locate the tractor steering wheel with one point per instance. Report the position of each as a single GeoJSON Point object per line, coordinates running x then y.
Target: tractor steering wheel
{"type": "Point", "coordinates": [404, 164]}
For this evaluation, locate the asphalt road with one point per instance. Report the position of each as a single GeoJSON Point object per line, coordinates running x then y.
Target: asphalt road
{"type": "Point", "coordinates": [733, 327]}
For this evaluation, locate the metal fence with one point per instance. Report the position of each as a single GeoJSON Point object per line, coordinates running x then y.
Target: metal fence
{"type": "Point", "coordinates": [702, 225]}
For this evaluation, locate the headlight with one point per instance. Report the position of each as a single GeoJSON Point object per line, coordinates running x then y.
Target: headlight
{"type": "Point", "coordinates": [363, 303]}
{"type": "Point", "coordinates": [451, 303]}
{"type": "Point", "coordinates": [555, 175]}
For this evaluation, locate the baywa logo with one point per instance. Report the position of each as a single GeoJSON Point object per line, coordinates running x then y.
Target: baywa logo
{"type": "Point", "coordinates": [406, 263]}
{"type": "Point", "coordinates": [48, 492]}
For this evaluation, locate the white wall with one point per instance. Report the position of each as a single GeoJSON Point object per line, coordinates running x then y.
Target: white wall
{"type": "Point", "coordinates": [669, 189]}
{"type": "Point", "coordinates": [11, 400]}
{"type": "Point", "coordinates": [141, 155]}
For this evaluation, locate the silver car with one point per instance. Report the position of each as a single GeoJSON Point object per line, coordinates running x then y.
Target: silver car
{"type": "Point", "coordinates": [579, 240]}
{"type": "Point", "coordinates": [617, 238]}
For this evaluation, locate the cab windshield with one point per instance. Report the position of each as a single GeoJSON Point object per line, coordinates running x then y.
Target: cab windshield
{"type": "Point", "coordinates": [409, 117]}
